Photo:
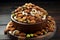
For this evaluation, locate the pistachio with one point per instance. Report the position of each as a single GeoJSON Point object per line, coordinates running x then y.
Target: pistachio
{"type": "Point", "coordinates": [31, 35]}
{"type": "Point", "coordinates": [28, 35]}
{"type": "Point", "coordinates": [13, 14]}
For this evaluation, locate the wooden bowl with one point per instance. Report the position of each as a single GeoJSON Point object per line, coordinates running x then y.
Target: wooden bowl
{"type": "Point", "coordinates": [25, 27]}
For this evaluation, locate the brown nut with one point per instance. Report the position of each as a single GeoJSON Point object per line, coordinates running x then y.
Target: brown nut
{"type": "Point", "coordinates": [10, 23]}
{"type": "Point", "coordinates": [36, 7]}
{"type": "Point", "coordinates": [9, 26]}
{"type": "Point", "coordinates": [20, 15]}
{"type": "Point", "coordinates": [35, 35]}
{"type": "Point", "coordinates": [27, 11]}
{"type": "Point", "coordinates": [37, 15]}
{"type": "Point", "coordinates": [22, 34]}
{"type": "Point", "coordinates": [50, 18]}
{"type": "Point", "coordinates": [38, 33]}
{"type": "Point", "coordinates": [8, 29]}
{"type": "Point", "coordinates": [32, 21]}
{"type": "Point", "coordinates": [12, 29]}
{"type": "Point", "coordinates": [32, 18]}
{"type": "Point", "coordinates": [5, 31]}
{"type": "Point", "coordinates": [43, 30]}
{"type": "Point", "coordinates": [18, 9]}
{"type": "Point", "coordinates": [50, 29]}
{"type": "Point", "coordinates": [28, 17]}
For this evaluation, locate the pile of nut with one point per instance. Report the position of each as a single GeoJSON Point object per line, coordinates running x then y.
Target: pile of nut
{"type": "Point", "coordinates": [29, 13]}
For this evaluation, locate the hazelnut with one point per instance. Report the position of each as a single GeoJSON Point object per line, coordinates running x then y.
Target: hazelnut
{"type": "Point", "coordinates": [37, 15]}
{"type": "Point", "coordinates": [22, 34]}
{"type": "Point", "coordinates": [50, 18]}
{"type": "Point", "coordinates": [12, 29]}
{"type": "Point", "coordinates": [32, 18]}
{"type": "Point", "coordinates": [32, 21]}
{"type": "Point", "coordinates": [38, 32]}
{"type": "Point", "coordinates": [20, 15]}
{"type": "Point", "coordinates": [50, 29]}
{"type": "Point", "coordinates": [43, 30]}
{"type": "Point", "coordinates": [27, 11]}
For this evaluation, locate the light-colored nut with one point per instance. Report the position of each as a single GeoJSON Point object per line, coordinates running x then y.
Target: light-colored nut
{"type": "Point", "coordinates": [24, 13]}
{"type": "Point", "coordinates": [24, 18]}
{"type": "Point", "coordinates": [31, 35]}
{"type": "Point", "coordinates": [44, 17]}
{"type": "Point", "coordinates": [28, 35]}
{"type": "Point", "coordinates": [20, 20]}
{"type": "Point", "coordinates": [28, 21]}
{"type": "Point", "coordinates": [16, 32]}
{"type": "Point", "coordinates": [10, 32]}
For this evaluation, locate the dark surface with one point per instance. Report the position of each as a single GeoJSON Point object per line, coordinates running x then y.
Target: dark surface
{"type": "Point", "coordinates": [53, 8]}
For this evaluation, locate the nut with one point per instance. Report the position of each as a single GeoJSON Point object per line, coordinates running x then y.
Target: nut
{"type": "Point", "coordinates": [24, 18]}
{"type": "Point", "coordinates": [27, 11]}
{"type": "Point", "coordinates": [16, 32]}
{"type": "Point", "coordinates": [35, 35]}
{"type": "Point", "coordinates": [12, 29]}
{"type": "Point", "coordinates": [32, 21]}
{"type": "Point", "coordinates": [28, 35]}
{"type": "Point", "coordinates": [20, 15]}
{"type": "Point", "coordinates": [32, 18]}
{"type": "Point", "coordinates": [22, 34]}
